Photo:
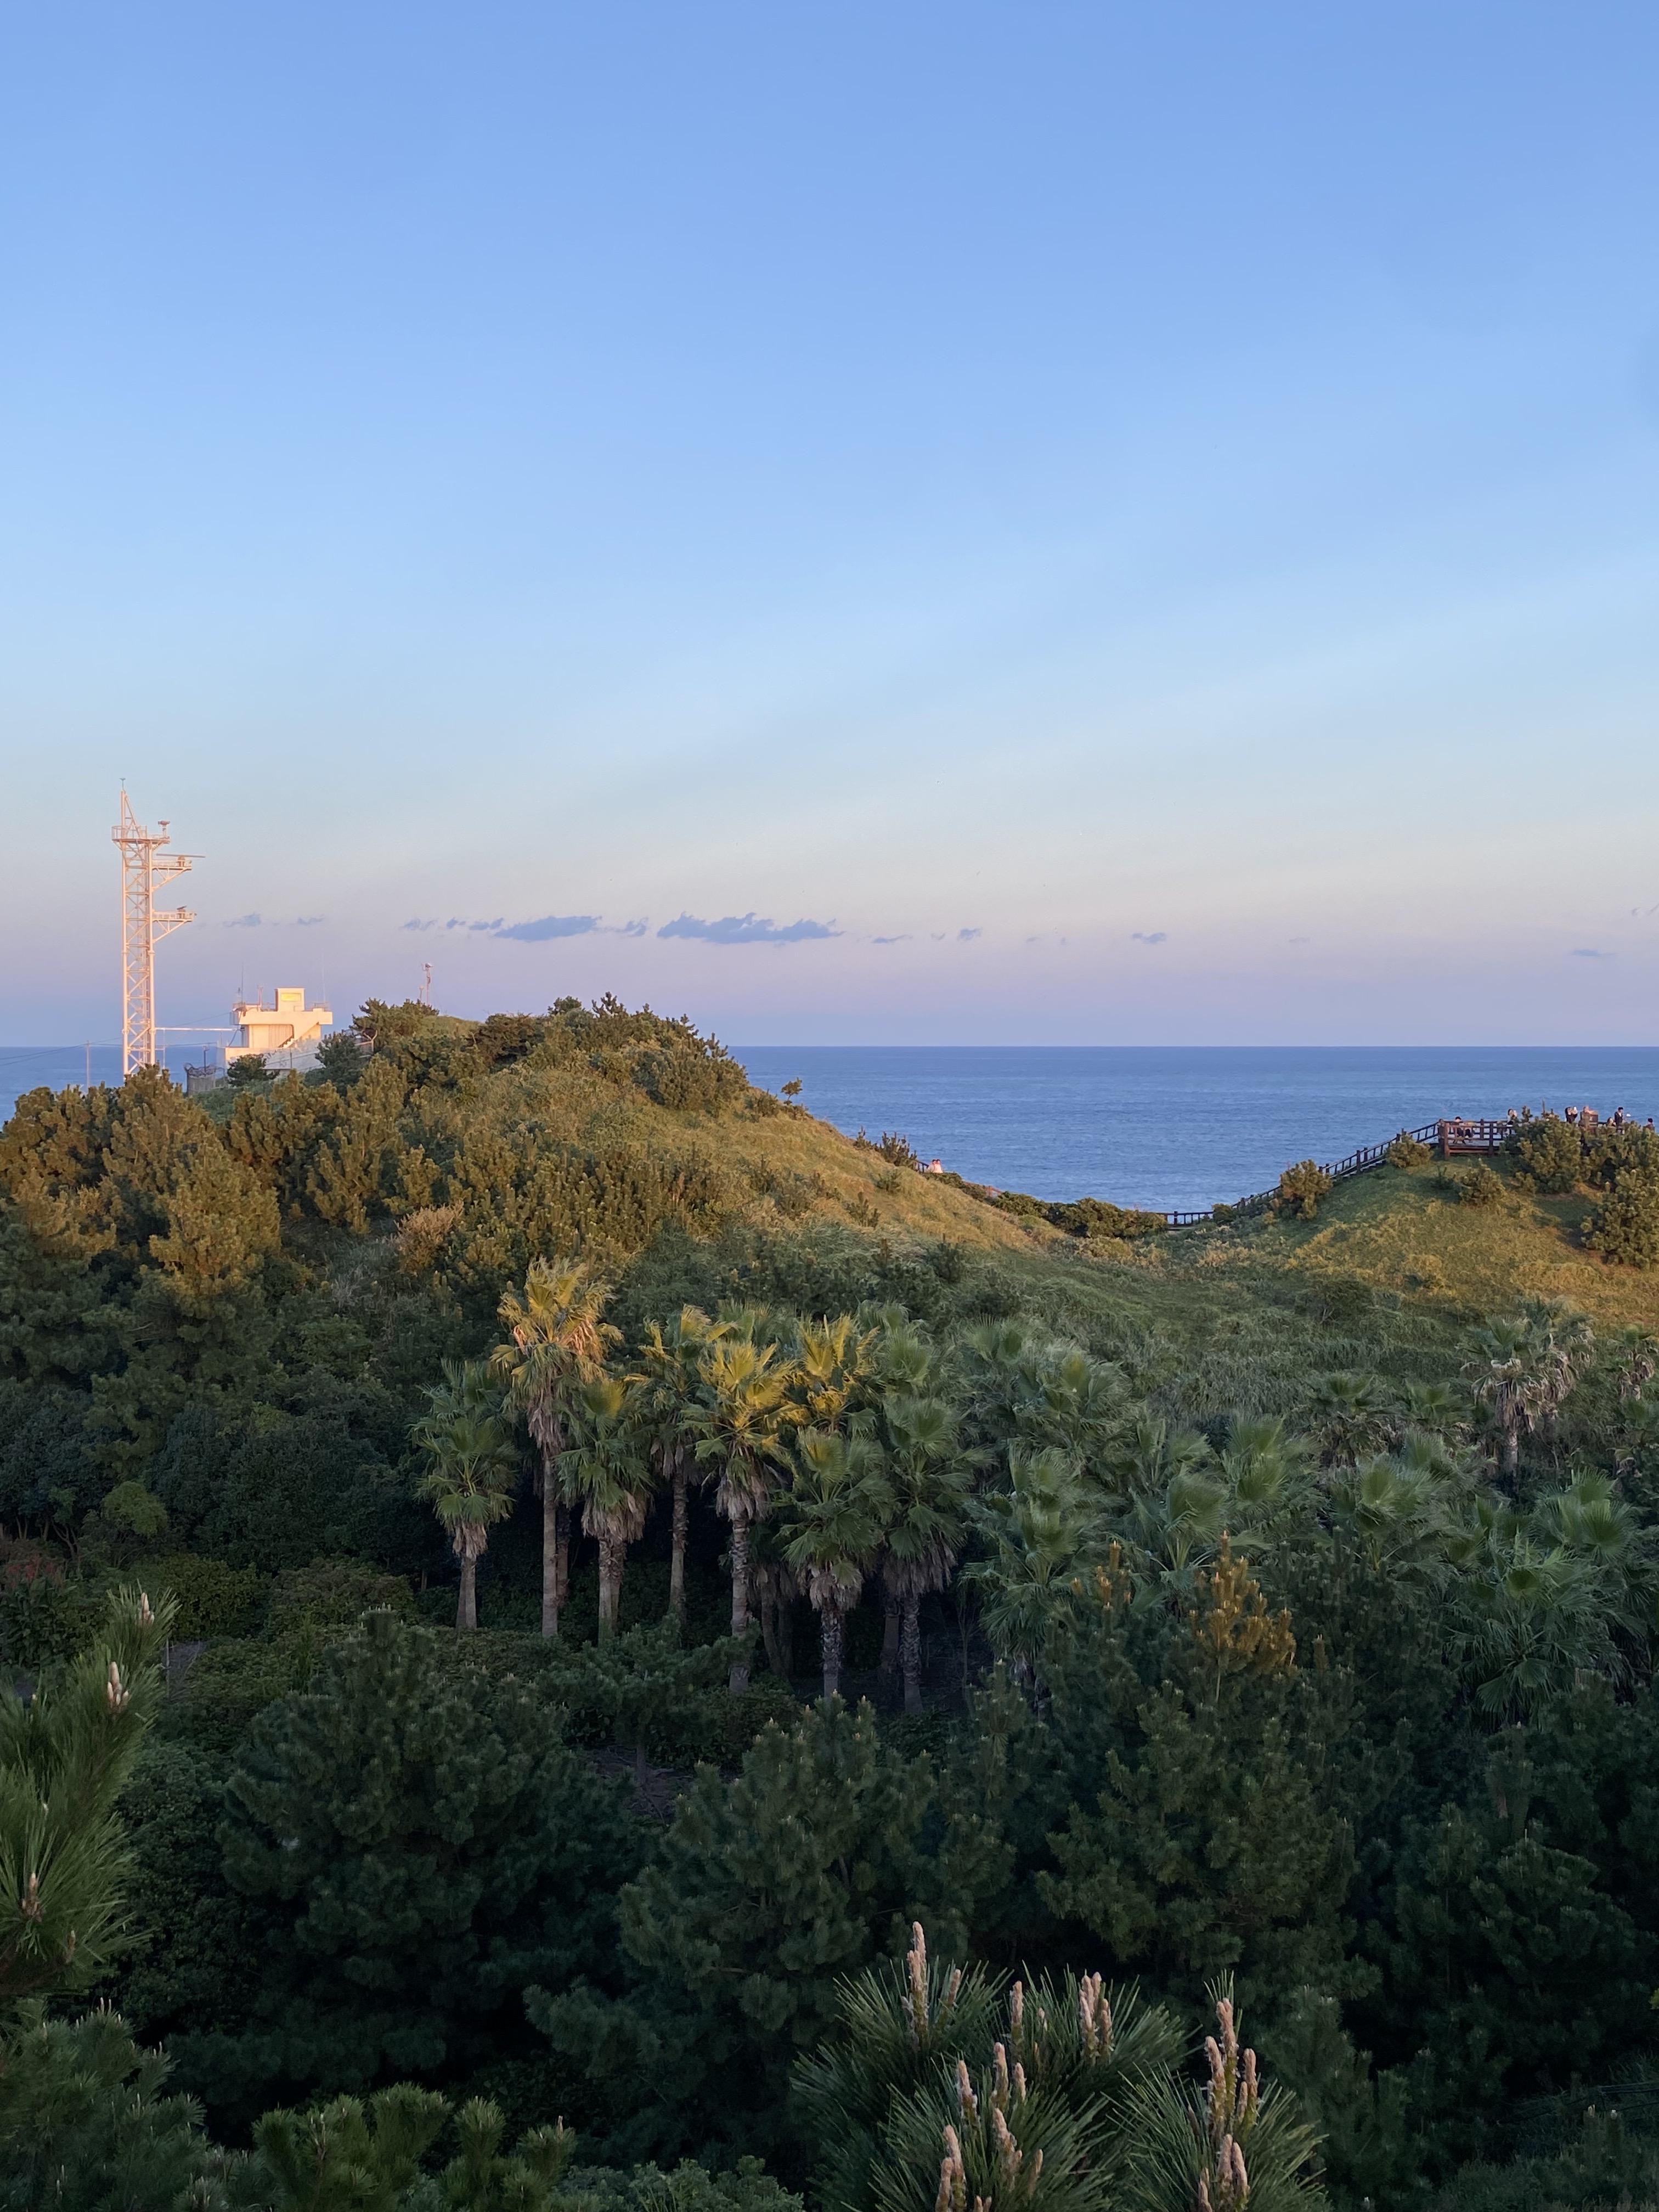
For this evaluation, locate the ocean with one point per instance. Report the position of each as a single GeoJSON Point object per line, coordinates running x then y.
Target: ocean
{"type": "Point", "coordinates": [1167, 1126]}
{"type": "Point", "coordinates": [1155, 1125]}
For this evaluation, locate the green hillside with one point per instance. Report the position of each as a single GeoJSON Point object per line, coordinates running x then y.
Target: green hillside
{"type": "Point", "coordinates": [641, 1588]}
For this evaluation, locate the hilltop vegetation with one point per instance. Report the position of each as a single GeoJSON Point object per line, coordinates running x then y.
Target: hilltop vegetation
{"type": "Point", "coordinates": [633, 1559]}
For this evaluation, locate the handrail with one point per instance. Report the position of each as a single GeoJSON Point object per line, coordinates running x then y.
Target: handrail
{"type": "Point", "coordinates": [1454, 1135]}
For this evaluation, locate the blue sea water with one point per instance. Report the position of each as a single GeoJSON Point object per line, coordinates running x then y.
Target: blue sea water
{"type": "Point", "coordinates": [1167, 1126]}
{"type": "Point", "coordinates": [1157, 1126]}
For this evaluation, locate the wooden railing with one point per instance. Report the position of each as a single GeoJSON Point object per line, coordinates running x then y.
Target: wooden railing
{"type": "Point", "coordinates": [1451, 1137]}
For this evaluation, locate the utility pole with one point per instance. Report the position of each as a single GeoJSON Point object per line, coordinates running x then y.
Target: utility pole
{"type": "Point", "coordinates": [142, 929]}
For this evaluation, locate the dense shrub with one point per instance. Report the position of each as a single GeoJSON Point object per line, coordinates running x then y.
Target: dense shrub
{"type": "Point", "coordinates": [1624, 1227]}
{"type": "Point", "coordinates": [1301, 1187]}
{"type": "Point", "coordinates": [1549, 1153]}
{"type": "Point", "coordinates": [213, 1598]}
{"type": "Point", "coordinates": [1479, 1186]}
{"type": "Point", "coordinates": [1611, 1155]}
{"type": "Point", "coordinates": [1408, 1151]}
{"type": "Point", "coordinates": [417, 1845]}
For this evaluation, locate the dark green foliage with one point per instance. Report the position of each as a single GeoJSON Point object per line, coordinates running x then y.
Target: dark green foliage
{"type": "Point", "coordinates": [1479, 1186]}
{"type": "Point", "coordinates": [1094, 1216]}
{"type": "Point", "coordinates": [378, 1024]}
{"type": "Point", "coordinates": [1408, 1151]}
{"type": "Point", "coordinates": [1624, 1227]}
{"type": "Point", "coordinates": [49, 1474]}
{"type": "Point", "coordinates": [210, 1598]}
{"type": "Point", "coordinates": [277, 1490]}
{"type": "Point", "coordinates": [66, 1748]}
{"type": "Point", "coordinates": [247, 1071]}
{"type": "Point", "coordinates": [86, 2125]}
{"type": "Point", "coordinates": [1549, 1153]}
{"type": "Point", "coordinates": [43, 1616]}
{"type": "Point", "coordinates": [1197, 1840]}
{"type": "Point", "coordinates": [1300, 1188]}
{"type": "Point", "coordinates": [504, 1038]}
{"type": "Point", "coordinates": [341, 1058]}
{"type": "Point", "coordinates": [189, 1936]}
{"type": "Point", "coordinates": [687, 2187]}
{"type": "Point", "coordinates": [418, 1846]}
{"type": "Point", "coordinates": [808, 1866]}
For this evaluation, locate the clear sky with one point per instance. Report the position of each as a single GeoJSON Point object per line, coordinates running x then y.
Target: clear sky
{"type": "Point", "coordinates": [857, 520]}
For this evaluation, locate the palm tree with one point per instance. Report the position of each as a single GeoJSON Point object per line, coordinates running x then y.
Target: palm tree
{"type": "Point", "coordinates": [775, 1586]}
{"type": "Point", "coordinates": [1503, 1371]}
{"type": "Point", "coordinates": [607, 1468]}
{"type": "Point", "coordinates": [558, 1342]}
{"type": "Point", "coordinates": [1565, 1344]}
{"type": "Point", "coordinates": [474, 1468]}
{"type": "Point", "coordinates": [738, 1420]}
{"type": "Point", "coordinates": [932, 1481]}
{"type": "Point", "coordinates": [1350, 1417]}
{"type": "Point", "coordinates": [1040, 1533]}
{"type": "Point", "coordinates": [833, 1366]}
{"type": "Point", "coordinates": [1433, 1409]}
{"type": "Point", "coordinates": [1267, 1477]}
{"type": "Point", "coordinates": [670, 1351]}
{"type": "Point", "coordinates": [839, 1507]}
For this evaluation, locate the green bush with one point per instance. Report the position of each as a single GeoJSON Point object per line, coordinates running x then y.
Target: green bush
{"type": "Point", "coordinates": [213, 1598]}
{"type": "Point", "coordinates": [1408, 1151]}
{"type": "Point", "coordinates": [43, 1618]}
{"type": "Point", "coordinates": [1549, 1153]}
{"type": "Point", "coordinates": [1624, 1227]}
{"type": "Point", "coordinates": [231, 1683]}
{"type": "Point", "coordinates": [1479, 1186]}
{"type": "Point", "coordinates": [335, 1593]}
{"type": "Point", "coordinates": [1613, 1154]}
{"type": "Point", "coordinates": [1300, 1188]}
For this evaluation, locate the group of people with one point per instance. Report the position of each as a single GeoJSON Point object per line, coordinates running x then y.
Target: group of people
{"type": "Point", "coordinates": [1587, 1117]}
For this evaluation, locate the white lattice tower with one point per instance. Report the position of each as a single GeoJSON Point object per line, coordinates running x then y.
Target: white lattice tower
{"type": "Point", "coordinates": [142, 929]}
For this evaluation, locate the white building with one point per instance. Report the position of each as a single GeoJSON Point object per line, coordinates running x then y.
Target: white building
{"type": "Point", "coordinates": [286, 1034]}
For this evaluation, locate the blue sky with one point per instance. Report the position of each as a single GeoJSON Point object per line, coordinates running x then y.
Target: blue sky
{"type": "Point", "coordinates": [1021, 523]}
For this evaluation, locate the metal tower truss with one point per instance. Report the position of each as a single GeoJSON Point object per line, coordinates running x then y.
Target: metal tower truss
{"type": "Point", "coordinates": [142, 873]}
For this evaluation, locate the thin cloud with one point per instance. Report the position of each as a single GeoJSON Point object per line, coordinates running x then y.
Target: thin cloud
{"type": "Point", "coordinates": [905, 939]}
{"type": "Point", "coordinates": [547, 926]}
{"type": "Point", "coordinates": [746, 929]}
{"type": "Point", "coordinates": [629, 929]}
{"type": "Point", "coordinates": [1149, 936]}
{"type": "Point", "coordinates": [246, 921]}
{"type": "Point", "coordinates": [309, 920]}
{"type": "Point", "coordinates": [967, 936]}
{"type": "Point", "coordinates": [1589, 953]}
{"type": "Point", "coordinates": [421, 924]}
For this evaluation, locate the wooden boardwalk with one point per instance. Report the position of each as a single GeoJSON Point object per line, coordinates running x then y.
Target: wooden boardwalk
{"type": "Point", "coordinates": [1452, 1137]}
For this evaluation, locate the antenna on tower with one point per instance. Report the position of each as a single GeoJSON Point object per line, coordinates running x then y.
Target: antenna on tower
{"type": "Point", "coordinates": [143, 929]}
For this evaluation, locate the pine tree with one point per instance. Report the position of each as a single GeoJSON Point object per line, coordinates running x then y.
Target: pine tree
{"type": "Point", "coordinates": [419, 1845]}
{"type": "Point", "coordinates": [65, 1753]}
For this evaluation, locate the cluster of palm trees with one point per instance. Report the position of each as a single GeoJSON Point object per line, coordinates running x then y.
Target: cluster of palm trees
{"type": "Point", "coordinates": [828, 1447]}
{"type": "Point", "coordinates": [855, 1450]}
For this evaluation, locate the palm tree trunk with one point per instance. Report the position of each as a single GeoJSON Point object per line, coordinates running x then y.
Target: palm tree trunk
{"type": "Point", "coordinates": [768, 1620]}
{"type": "Point", "coordinates": [549, 1552]}
{"type": "Point", "coordinates": [560, 1560]}
{"type": "Point", "coordinates": [831, 1637]}
{"type": "Point", "coordinates": [609, 1577]}
{"type": "Point", "coordinates": [466, 1612]}
{"type": "Point", "coordinates": [890, 1638]}
{"type": "Point", "coordinates": [1511, 1448]}
{"type": "Point", "coordinates": [910, 1652]}
{"type": "Point", "coordinates": [787, 1638]}
{"type": "Point", "coordinates": [677, 1557]}
{"type": "Point", "coordinates": [739, 1676]}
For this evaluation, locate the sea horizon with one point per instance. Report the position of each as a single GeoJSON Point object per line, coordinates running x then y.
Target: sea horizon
{"type": "Point", "coordinates": [1157, 1126]}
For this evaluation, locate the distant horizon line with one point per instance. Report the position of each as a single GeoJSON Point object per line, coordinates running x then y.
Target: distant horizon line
{"type": "Point", "coordinates": [764, 1044]}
